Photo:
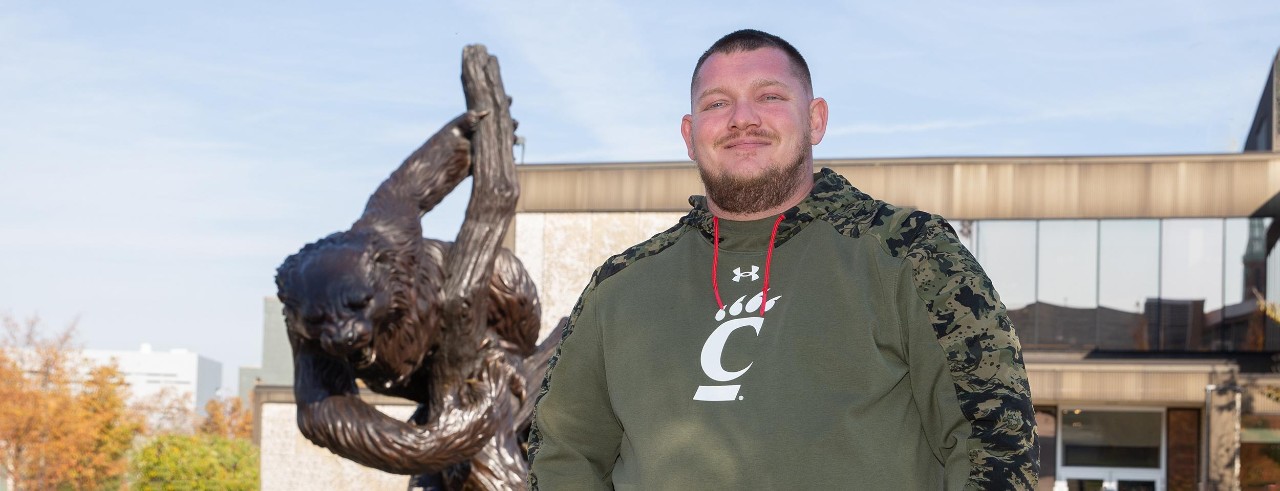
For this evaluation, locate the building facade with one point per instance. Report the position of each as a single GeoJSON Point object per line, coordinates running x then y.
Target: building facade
{"type": "Point", "coordinates": [177, 373]}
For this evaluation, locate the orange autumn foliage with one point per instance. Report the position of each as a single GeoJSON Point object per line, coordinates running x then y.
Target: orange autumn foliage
{"type": "Point", "coordinates": [60, 426]}
{"type": "Point", "coordinates": [228, 418]}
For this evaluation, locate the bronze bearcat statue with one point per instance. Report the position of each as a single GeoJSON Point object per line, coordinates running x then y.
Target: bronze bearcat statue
{"type": "Point", "coordinates": [452, 326]}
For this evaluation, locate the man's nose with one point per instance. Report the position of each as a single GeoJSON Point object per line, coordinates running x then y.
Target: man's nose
{"type": "Point", "coordinates": [744, 116]}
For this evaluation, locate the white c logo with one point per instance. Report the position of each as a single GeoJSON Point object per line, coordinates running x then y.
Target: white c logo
{"type": "Point", "coordinates": [711, 354]}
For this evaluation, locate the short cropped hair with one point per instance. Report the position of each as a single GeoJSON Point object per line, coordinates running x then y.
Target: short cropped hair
{"type": "Point", "coordinates": [751, 40]}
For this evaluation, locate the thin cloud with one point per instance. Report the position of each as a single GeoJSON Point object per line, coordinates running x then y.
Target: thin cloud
{"type": "Point", "coordinates": [924, 126]}
{"type": "Point", "coordinates": [599, 73]}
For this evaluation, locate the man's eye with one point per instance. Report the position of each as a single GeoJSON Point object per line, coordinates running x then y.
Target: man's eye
{"type": "Point", "coordinates": [717, 104]}
{"type": "Point", "coordinates": [772, 97]}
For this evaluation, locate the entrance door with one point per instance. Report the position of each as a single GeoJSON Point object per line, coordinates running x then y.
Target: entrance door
{"type": "Point", "coordinates": [1110, 449]}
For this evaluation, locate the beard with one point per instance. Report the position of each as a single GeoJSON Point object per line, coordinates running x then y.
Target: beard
{"type": "Point", "coordinates": [748, 195]}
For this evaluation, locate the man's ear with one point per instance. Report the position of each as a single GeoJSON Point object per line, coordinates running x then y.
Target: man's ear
{"type": "Point", "coordinates": [686, 130]}
{"type": "Point", "coordinates": [817, 120]}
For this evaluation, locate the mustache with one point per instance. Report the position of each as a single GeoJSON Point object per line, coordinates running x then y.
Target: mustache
{"type": "Point", "coordinates": [753, 132]}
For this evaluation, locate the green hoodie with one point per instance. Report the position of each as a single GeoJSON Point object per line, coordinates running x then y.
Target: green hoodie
{"type": "Point", "coordinates": [879, 357]}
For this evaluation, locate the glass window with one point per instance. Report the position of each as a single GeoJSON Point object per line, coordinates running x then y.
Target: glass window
{"type": "Point", "coordinates": [1128, 279]}
{"type": "Point", "coordinates": [1069, 263]}
{"type": "Point", "coordinates": [1191, 266]}
{"type": "Point", "coordinates": [1245, 257]}
{"type": "Point", "coordinates": [1272, 293]}
{"type": "Point", "coordinates": [1190, 283]}
{"type": "Point", "coordinates": [1273, 274]}
{"type": "Point", "coordinates": [1244, 263]}
{"type": "Point", "coordinates": [1098, 438]}
{"type": "Point", "coordinates": [1007, 251]}
{"type": "Point", "coordinates": [1067, 283]}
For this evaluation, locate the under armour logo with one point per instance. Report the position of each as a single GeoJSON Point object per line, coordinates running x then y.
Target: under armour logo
{"type": "Point", "coordinates": [738, 274]}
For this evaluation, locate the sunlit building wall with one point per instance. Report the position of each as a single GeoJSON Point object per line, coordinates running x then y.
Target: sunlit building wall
{"type": "Point", "coordinates": [178, 374]}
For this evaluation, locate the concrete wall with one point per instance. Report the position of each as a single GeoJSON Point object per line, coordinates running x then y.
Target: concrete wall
{"type": "Point", "coordinates": [288, 461]}
{"type": "Point", "coordinates": [561, 250]}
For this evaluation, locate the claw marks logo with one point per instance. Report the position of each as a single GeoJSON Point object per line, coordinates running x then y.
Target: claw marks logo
{"type": "Point", "coordinates": [738, 274]}
{"type": "Point", "coordinates": [731, 319]}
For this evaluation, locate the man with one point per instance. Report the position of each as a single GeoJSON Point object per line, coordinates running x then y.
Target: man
{"type": "Point", "coordinates": [790, 332]}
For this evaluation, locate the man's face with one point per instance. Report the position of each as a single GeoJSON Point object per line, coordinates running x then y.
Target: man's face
{"type": "Point", "coordinates": [751, 129]}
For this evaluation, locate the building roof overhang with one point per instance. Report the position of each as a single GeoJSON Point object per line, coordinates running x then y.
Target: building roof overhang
{"type": "Point", "coordinates": [959, 188]}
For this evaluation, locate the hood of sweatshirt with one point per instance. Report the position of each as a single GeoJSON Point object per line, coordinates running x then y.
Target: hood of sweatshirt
{"type": "Point", "coordinates": [831, 194]}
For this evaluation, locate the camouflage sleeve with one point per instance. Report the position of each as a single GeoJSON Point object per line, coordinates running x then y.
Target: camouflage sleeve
{"type": "Point", "coordinates": [982, 356]}
{"type": "Point", "coordinates": [575, 437]}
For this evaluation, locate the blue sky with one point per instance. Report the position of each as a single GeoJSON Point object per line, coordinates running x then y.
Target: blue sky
{"type": "Point", "coordinates": [158, 160]}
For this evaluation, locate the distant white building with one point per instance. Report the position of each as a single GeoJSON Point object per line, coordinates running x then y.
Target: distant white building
{"type": "Point", "coordinates": [147, 373]}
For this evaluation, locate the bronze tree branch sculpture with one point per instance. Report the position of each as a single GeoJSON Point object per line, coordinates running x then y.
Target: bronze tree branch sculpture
{"type": "Point", "coordinates": [451, 326]}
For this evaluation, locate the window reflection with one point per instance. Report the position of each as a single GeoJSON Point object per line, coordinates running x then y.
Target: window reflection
{"type": "Point", "coordinates": [1190, 283]}
{"type": "Point", "coordinates": [1245, 257]}
{"type": "Point", "coordinates": [1127, 284]}
{"type": "Point", "coordinates": [1272, 276]}
{"type": "Point", "coordinates": [1239, 324]}
{"type": "Point", "coordinates": [1067, 283]}
{"type": "Point", "coordinates": [1068, 263]}
{"type": "Point", "coordinates": [1007, 251]}
{"type": "Point", "coordinates": [1191, 266]}
{"type": "Point", "coordinates": [1128, 277]}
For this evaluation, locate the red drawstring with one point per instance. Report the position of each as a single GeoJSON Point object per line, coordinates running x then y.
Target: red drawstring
{"type": "Point", "coordinates": [768, 261]}
{"type": "Point", "coordinates": [715, 263]}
